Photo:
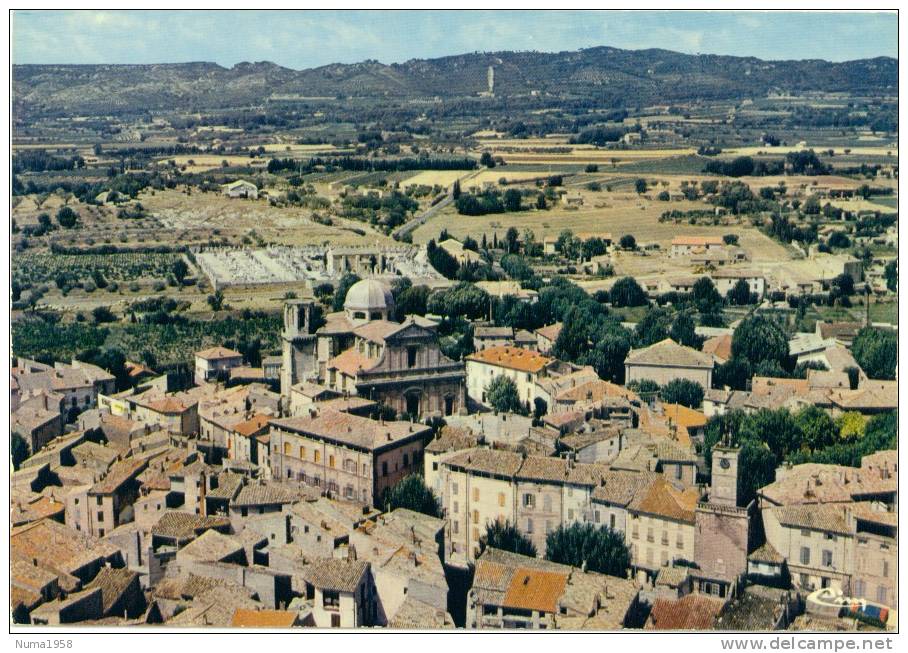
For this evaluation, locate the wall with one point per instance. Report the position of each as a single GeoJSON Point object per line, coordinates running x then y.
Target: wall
{"type": "Point", "coordinates": [663, 374]}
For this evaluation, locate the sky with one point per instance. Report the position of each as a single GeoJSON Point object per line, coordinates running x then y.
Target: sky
{"type": "Point", "coordinates": [306, 39]}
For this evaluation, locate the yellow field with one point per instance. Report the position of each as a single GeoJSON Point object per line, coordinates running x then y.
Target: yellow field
{"type": "Point", "coordinates": [860, 205]}
{"type": "Point", "coordinates": [581, 154]}
{"type": "Point", "coordinates": [617, 214]}
{"type": "Point", "coordinates": [433, 177]}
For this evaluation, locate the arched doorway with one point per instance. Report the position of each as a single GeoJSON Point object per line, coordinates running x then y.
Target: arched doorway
{"type": "Point", "coordinates": [413, 399]}
{"type": "Point", "coordinates": [449, 404]}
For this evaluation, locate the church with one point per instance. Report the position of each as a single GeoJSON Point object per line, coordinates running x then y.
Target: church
{"type": "Point", "coordinates": [361, 351]}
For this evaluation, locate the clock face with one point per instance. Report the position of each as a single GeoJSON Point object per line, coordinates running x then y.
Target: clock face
{"type": "Point", "coordinates": [724, 464]}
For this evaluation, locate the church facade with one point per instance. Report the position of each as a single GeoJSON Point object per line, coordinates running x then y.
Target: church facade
{"type": "Point", "coordinates": [360, 351]}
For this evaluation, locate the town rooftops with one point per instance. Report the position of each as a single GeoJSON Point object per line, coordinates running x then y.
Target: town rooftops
{"type": "Point", "coordinates": [514, 358]}
{"type": "Point", "coordinates": [718, 346]}
{"type": "Point", "coordinates": [257, 494]}
{"type": "Point", "coordinates": [113, 584]}
{"type": "Point", "coordinates": [212, 546]}
{"type": "Point", "coordinates": [550, 332]}
{"type": "Point", "coordinates": [691, 612]}
{"type": "Point", "coordinates": [246, 618]}
{"type": "Point", "coordinates": [121, 473]}
{"type": "Point", "coordinates": [217, 353]}
{"type": "Point", "coordinates": [451, 438]}
{"type": "Point", "coordinates": [493, 332]}
{"type": "Point", "coordinates": [336, 574]}
{"type": "Point", "coordinates": [668, 353]}
{"type": "Point", "coordinates": [58, 547]}
{"type": "Point", "coordinates": [662, 499]}
{"type": "Point", "coordinates": [683, 416]}
{"type": "Point", "coordinates": [619, 487]}
{"type": "Point", "coordinates": [352, 430]}
{"type": "Point", "coordinates": [830, 518]}
{"type": "Point", "coordinates": [596, 390]}
{"type": "Point", "coordinates": [533, 589]}
{"type": "Point", "coordinates": [377, 330]}
{"type": "Point", "coordinates": [183, 526]}
{"type": "Point", "coordinates": [487, 461]}
{"type": "Point", "coordinates": [252, 426]}
{"type": "Point", "coordinates": [351, 362]}
{"type": "Point", "coordinates": [415, 614]}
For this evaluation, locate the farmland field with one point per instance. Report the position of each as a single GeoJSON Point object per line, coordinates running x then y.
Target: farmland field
{"type": "Point", "coordinates": [37, 268]}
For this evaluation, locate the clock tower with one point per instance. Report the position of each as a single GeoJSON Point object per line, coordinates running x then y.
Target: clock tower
{"type": "Point", "coordinates": [724, 486]}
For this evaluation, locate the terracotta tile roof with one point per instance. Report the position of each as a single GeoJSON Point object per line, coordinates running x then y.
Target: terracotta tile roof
{"type": "Point", "coordinates": [336, 574]}
{"type": "Point", "coordinates": [336, 323]}
{"type": "Point", "coordinates": [866, 399]}
{"type": "Point", "coordinates": [345, 404]}
{"type": "Point", "coordinates": [377, 330]}
{"type": "Point", "coordinates": [451, 438]}
{"type": "Point", "coordinates": [683, 416]}
{"type": "Point", "coordinates": [825, 517]}
{"type": "Point", "coordinates": [414, 614]}
{"type": "Point", "coordinates": [596, 390]}
{"type": "Point", "coordinates": [253, 425]}
{"type": "Point", "coordinates": [514, 358]}
{"type": "Point", "coordinates": [766, 553]}
{"type": "Point", "coordinates": [185, 526]}
{"type": "Point", "coordinates": [719, 346]}
{"type": "Point", "coordinates": [58, 547]}
{"type": "Point", "coordinates": [351, 361]}
{"type": "Point", "coordinates": [489, 461]}
{"type": "Point", "coordinates": [550, 332]}
{"type": "Point", "coordinates": [761, 385]}
{"type": "Point", "coordinates": [619, 487]}
{"type": "Point", "coordinates": [121, 473]}
{"type": "Point", "coordinates": [255, 494]}
{"type": "Point", "coordinates": [672, 576]}
{"type": "Point", "coordinates": [166, 405]}
{"type": "Point", "coordinates": [662, 499]}
{"type": "Point", "coordinates": [113, 583]}
{"type": "Point", "coordinates": [246, 618]}
{"type": "Point", "coordinates": [692, 612]}
{"type": "Point", "coordinates": [532, 589]}
{"type": "Point", "coordinates": [211, 546]}
{"type": "Point", "coordinates": [669, 353]}
{"type": "Point", "coordinates": [352, 429]}
{"type": "Point", "coordinates": [34, 508]}
{"type": "Point", "coordinates": [217, 353]}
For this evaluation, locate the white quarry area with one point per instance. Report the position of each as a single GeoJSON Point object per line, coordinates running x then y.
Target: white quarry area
{"type": "Point", "coordinates": [277, 264]}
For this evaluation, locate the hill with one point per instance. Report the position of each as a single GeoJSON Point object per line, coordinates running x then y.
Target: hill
{"type": "Point", "coordinates": [606, 75]}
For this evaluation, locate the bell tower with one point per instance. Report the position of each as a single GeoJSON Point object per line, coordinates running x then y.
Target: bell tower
{"type": "Point", "coordinates": [298, 341]}
{"type": "Point", "coordinates": [724, 486]}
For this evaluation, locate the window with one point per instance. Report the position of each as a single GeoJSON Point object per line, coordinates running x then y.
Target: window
{"type": "Point", "coordinates": [529, 525]}
{"type": "Point", "coordinates": [664, 538]}
{"type": "Point", "coordinates": [411, 356]}
{"type": "Point", "coordinates": [860, 588]}
{"type": "Point", "coordinates": [679, 543]}
{"type": "Point", "coordinates": [570, 514]}
{"type": "Point", "coordinates": [596, 516]}
{"type": "Point", "coordinates": [827, 558]}
{"type": "Point", "coordinates": [475, 516]}
{"type": "Point", "coordinates": [611, 521]}
{"type": "Point", "coordinates": [829, 536]}
{"type": "Point", "coordinates": [331, 461]}
{"type": "Point", "coordinates": [101, 532]}
{"type": "Point", "coordinates": [649, 535]}
{"type": "Point", "coordinates": [475, 494]}
{"type": "Point", "coordinates": [886, 568]}
{"type": "Point", "coordinates": [882, 595]}
{"type": "Point", "coordinates": [456, 507]}
{"type": "Point", "coordinates": [454, 488]}
{"type": "Point", "coordinates": [99, 501]}
{"type": "Point", "coordinates": [475, 534]}
{"type": "Point", "coordinates": [805, 555]}
{"type": "Point", "coordinates": [805, 532]}
{"type": "Point", "coordinates": [636, 533]}
{"type": "Point", "coordinates": [547, 503]}
{"type": "Point", "coordinates": [455, 527]}
{"type": "Point", "coordinates": [529, 501]}
{"type": "Point", "coordinates": [100, 516]}
{"type": "Point", "coordinates": [335, 621]}
{"type": "Point", "coordinates": [501, 499]}
{"type": "Point", "coordinates": [330, 599]}
{"type": "Point", "coordinates": [365, 469]}
{"type": "Point", "coordinates": [678, 471]}
{"type": "Point", "coordinates": [384, 468]}
{"type": "Point", "coordinates": [406, 460]}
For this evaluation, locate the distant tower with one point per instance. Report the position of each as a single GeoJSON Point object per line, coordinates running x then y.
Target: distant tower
{"type": "Point", "coordinates": [299, 354]}
{"type": "Point", "coordinates": [491, 79]}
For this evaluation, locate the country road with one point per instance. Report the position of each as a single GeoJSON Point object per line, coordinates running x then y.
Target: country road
{"type": "Point", "coordinates": [430, 212]}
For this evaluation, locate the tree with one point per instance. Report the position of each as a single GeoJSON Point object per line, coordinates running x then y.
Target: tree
{"type": "Point", "coordinates": [412, 493]}
{"type": "Point", "coordinates": [818, 430]}
{"type": "Point", "coordinates": [684, 332]}
{"type": "Point", "coordinates": [730, 239]}
{"type": "Point", "coordinates": [18, 449]}
{"type": "Point", "coordinates": [342, 287]}
{"type": "Point", "coordinates": [102, 314]}
{"type": "Point", "coordinates": [67, 217]}
{"type": "Point", "coordinates": [682, 391]}
{"type": "Point", "coordinates": [455, 189]}
{"type": "Point", "coordinates": [179, 270]}
{"type": "Point", "coordinates": [759, 339]}
{"type": "Point", "coordinates": [573, 339]}
{"type": "Point", "coordinates": [512, 199]}
{"type": "Point", "coordinates": [892, 275]}
{"type": "Point", "coordinates": [756, 469]}
{"type": "Point", "coordinates": [216, 300]}
{"type": "Point", "coordinates": [601, 550]}
{"type": "Point", "coordinates": [734, 373]}
{"type": "Point", "coordinates": [876, 351]}
{"type": "Point", "coordinates": [654, 326]}
{"type": "Point", "coordinates": [487, 160]}
{"type": "Point", "coordinates": [412, 301]}
{"type": "Point", "coordinates": [740, 294]}
{"type": "Point", "coordinates": [705, 296]}
{"type": "Point", "coordinates": [503, 395]}
{"type": "Point", "coordinates": [640, 186]}
{"type": "Point", "coordinates": [851, 425]}
{"type": "Point", "coordinates": [440, 259]}
{"type": "Point", "coordinates": [607, 356]}
{"type": "Point", "coordinates": [512, 238]}
{"type": "Point", "coordinates": [777, 428]}
{"type": "Point", "coordinates": [505, 536]}
{"type": "Point", "coordinates": [844, 284]}
{"type": "Point", "coordinates": [627, 292]}
{"type": "Point", "coordinates": [628, 242]}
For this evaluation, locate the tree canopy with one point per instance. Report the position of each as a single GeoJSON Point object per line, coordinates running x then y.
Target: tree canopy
{"type": "Point", "coordinates": [412, 493]}
{"type": "Point", "coordinates": [877, 352]}
{"type": "Point", "coordinates": [505, 536]}
{"type": "Point", "coordinates": [503, 396]}
{"type": "Point", "coordinates": [759, 339]}
{"type": "Point", "coordinates": [599, 549]}
{"type": "Point", "coordinates": [682, 391]}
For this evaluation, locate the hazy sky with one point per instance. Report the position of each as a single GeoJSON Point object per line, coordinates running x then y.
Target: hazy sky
{"type": "Point", "coordinates": [300, 39]}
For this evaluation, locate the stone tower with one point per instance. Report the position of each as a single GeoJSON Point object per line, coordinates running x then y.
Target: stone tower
{"type": "Point", "coordinates": [724, 488]}
{"type": "Point", "coordinates": [722, 538]}
{"type": "Point", "coordinates": [300, 357]}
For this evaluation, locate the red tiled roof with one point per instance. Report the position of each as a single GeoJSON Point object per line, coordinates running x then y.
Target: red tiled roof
{"type": "Point", "coordinates": [515, 358]}
{"type": "Point", "coordinates": [216, 353]}
{"type": "Point", "coordinates": [692, 612]}
{"type": "Point", "coordinates": [350, 362]}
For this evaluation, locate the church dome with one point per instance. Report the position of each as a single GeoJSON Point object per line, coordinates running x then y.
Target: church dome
{"type": "Point", "coordinates": [369, 296]}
